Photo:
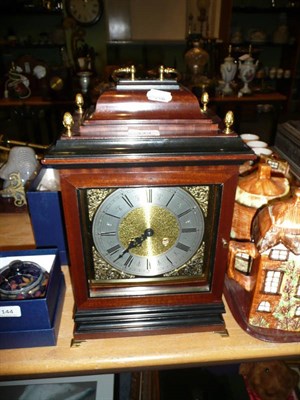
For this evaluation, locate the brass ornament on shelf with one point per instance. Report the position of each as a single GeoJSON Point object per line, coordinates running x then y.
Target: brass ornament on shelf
{"type": "Point", "coordinates": [229, 120]}
{"type": "Point", "coordinates": [68, 122]}
{"type": "Point", "coordinates": [204, 101]}
{"type": "Point", "coordinates": [79, 102]}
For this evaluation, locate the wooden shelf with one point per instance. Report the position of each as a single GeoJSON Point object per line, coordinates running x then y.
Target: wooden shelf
{"type": "Point", "coordinates": [127, 353]}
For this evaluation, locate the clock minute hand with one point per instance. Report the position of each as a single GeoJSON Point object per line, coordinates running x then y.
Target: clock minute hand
{"type": "Point", "coordinates": [137, 242]}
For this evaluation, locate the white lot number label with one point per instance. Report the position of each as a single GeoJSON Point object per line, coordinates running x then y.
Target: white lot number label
{"type": "Point", "coordinates": [10, 311]}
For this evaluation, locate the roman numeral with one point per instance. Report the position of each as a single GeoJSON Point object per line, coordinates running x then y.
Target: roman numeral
{"type": "Point", "coordinates": [184, 213]}
{"type": "Point", "coordinates": [107, 233]}
{"type": "Point", "coordinates": [129, 260]}
{"type": "Point", "coordinates": [148, 265]}
{"type": "Point", "coordinates": [168, 202]}
{"type": "Point", "coordinates": [114, 249]}
{"type": "Point", "coordinates": [169, 260]}
{"type": "Point", "coordinates": [149, 195]}
{"type": "Point", "coordinates": [182, 247]}
{"type": "Point", "coordinates": [111, 215]}
{"type": "Point", "coordinates": [189, 230]}
{"type": "Point", "coordinates": [127, 201]}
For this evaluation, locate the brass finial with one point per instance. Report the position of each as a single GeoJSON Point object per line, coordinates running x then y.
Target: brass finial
{"type": "Point", "coordinates": [79, 102]}
{"type": "Point", "coordinates": [68, 122]}
{"type": "Point", "coordinates": [229, 120]}
{"type": "Point", "coordinates": [204, 101]}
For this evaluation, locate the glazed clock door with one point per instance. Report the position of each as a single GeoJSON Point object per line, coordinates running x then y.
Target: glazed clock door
{"type": "Point", "coordinates": [141, 251]}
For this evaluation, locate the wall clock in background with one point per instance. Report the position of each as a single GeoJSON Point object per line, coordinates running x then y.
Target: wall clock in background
{"type": "Point", "coordinates": [148, 200]}
{"type": "Point", "coordinates": [85, 12]}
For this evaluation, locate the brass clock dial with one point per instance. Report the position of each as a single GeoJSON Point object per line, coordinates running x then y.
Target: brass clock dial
{"type": "Point", "coordinates": [148, 231]}
{"type": "Point", "coordinates": [85, 12]}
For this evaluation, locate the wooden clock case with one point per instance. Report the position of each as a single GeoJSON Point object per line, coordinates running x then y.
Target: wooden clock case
{"type": "Point", "coordinates": [128, 140]}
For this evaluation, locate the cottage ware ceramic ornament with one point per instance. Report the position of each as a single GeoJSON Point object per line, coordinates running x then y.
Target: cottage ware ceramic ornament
{"type": "Point", "coordinates": [263, 286]}
{"type": "Point", "coordinates": [228, 71]}
{"type": "Point", "coordinates": [253, 191]}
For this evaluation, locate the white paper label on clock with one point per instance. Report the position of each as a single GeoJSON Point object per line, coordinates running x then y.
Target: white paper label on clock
{"type": "Point", "coordinates": [159, 95]}
{"type": "Point", "coordinates": [10, 312]}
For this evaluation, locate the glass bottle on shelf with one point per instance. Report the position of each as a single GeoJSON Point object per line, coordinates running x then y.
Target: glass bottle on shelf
{"type": "Point", "coordinates": [196, 59]}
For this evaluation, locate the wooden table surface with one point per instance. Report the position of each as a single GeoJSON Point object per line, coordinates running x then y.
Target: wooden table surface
{"type": "Point", "coordinates": [128, 353]}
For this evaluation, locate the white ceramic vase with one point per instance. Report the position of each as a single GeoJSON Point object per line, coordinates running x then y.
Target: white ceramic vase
{"type": "Point", "coordinates": [228, 70]}
{"type": "Point", "coordinates": [247, 70]}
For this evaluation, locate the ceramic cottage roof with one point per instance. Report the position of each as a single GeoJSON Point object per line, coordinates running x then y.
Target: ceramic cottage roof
{"type": "Point", "coordinates": [279, 223]}
{"type": "Point", "coordinates": [259, 187]}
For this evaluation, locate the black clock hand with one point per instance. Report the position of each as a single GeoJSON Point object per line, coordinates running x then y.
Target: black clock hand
{"type": "Point", "coordinates": [137, 242]}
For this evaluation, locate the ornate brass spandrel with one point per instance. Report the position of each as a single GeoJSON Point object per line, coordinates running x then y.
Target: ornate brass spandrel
{"type": "Point", "coordinates": [95, 198]}
{"type": "Point", "coordinates": [201, 195]}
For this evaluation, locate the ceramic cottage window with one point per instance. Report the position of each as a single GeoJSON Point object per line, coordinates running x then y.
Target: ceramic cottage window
{"type": "Point", "coordinates": [272, 282]}
{"type": "Point", "coordinates": [264, 306]}
{"type": "Point", "coordinates": [279, 254]}
{"type": "Point", "coordinates": [243, 263]}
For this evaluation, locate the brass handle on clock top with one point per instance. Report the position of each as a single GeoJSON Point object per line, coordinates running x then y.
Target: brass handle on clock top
{"type": "Point", "coordinates": [126, 70]}
{"type": "Point", "coordinates": [167, 70]}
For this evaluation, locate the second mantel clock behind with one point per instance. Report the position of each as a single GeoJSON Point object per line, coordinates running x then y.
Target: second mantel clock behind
{"type": "Point", "coordinates": [148, 188]}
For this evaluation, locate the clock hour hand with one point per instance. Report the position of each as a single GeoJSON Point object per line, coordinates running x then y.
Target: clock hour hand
{"type": "Point", "coordinates": [137, 242]}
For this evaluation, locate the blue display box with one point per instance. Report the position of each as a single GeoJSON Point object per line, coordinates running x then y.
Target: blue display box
{"type": "Point", "coordinates": [46, 214]}
{"type": "Point", "coordinates": [36, 321]}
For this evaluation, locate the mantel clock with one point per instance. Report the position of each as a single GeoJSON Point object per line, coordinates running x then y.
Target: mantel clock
{"type": "Point", "coordinates": [148, 184]}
